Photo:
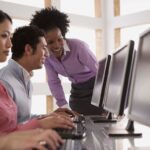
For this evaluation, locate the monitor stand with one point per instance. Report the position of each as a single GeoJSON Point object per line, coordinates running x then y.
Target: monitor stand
{"type": "Point", "coordinates": [107, 119]}
{"type": "Point", "coordinates": [129, 131]}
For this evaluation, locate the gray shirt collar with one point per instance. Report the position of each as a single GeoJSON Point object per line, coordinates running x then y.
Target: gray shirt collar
{"type": "Point", "coordinates": [23, 71]}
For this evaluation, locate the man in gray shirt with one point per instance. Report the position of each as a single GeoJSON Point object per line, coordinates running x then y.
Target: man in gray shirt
{"type": "Point", "coordinates": [29, 52]}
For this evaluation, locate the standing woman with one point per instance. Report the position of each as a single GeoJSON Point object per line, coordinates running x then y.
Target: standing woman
{"type": "Point", "coordinates": [8, 110]}
{"type": "Point", "coordinates": [71, 58]}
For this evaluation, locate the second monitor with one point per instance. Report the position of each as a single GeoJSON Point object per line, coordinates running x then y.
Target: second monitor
{"type": "Point", "coordinates": [115, 96]}
{"type": "Point", "coordinates": [100, 82]}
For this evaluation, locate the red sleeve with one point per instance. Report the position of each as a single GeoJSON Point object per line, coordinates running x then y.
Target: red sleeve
{"type": "Point", "coordinates": [31, 124]}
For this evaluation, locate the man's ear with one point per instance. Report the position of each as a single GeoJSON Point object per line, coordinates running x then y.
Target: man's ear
{"type": "Point", "coordinates": [28, 49]}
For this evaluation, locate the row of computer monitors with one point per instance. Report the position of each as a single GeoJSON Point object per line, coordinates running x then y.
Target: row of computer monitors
{"type": "Point", "coordinates": [123, 80]}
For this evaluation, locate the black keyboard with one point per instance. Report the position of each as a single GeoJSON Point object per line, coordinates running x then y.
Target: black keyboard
{"type": "Point", "coordinates": [78, 132]}
{"type": "Point", "coordinates": [79, 119]}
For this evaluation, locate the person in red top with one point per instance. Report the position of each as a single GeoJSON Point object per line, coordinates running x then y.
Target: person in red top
{"type": "Point", "coordinates": [20, 140]}
{"type": "Point", "coordinates": [8, 109]}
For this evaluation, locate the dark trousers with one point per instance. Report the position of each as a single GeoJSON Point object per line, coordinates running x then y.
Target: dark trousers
{"type": "Point", "coordinates": [80, 98]}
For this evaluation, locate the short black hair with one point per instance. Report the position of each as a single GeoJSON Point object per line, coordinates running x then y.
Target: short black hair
{"type": "Point", "coordinates": [4, 16]}
{"type": "Point", "coordinates": [50, 18]}
{"type": "Point", "coordinates": [22, 36]}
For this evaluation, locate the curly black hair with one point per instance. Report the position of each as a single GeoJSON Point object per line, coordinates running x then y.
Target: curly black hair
{"type": "Point", "coordinates": [50, 18]}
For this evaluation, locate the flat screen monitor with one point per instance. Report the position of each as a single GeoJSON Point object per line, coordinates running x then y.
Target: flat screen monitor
{"type": "Point", "coordinates": [139, 99]}
{"type": "Point", "coordinates": [118, 79]}
{"type": "Point", "coordinates": [129, 130]}
{"type": "Point", "coordinates": [100, 82]}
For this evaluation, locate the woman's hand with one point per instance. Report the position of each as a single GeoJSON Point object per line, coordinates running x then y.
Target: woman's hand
{"type": "Point", "coordinates": [32, 139]}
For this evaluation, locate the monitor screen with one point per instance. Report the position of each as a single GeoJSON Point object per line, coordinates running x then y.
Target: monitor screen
{"type": "Point", "coordinates": [118, 79]}
{"type": "Point", "coordinates": [100, 81]}
{"type": "Point", "coordinates": [139, 99]}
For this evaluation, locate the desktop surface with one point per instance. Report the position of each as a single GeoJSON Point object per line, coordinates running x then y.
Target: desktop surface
{"type": "Point", "coordinates": [98, 139]}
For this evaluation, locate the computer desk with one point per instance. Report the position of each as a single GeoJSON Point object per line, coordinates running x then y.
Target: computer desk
{"type": "Point", "coordinates": [98, 139]}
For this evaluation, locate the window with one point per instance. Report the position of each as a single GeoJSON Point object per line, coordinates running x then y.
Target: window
{"type": "Point", "coordinates": [34, 3]}
{"type": "Point", "coordinates": [38, 104]}
{"type": "Point", "coordinates": [74, 7]}
{"type": "Point", "coordinates": [39, 75]}
{"type": "Point", "coordinates": [132, 33]}
{"type": "Point", "coordinates": [133, 6]}
{"type": "Point", "coordinates": [84, 34]}
{"type": "Point", "coordinates": [18, 23]}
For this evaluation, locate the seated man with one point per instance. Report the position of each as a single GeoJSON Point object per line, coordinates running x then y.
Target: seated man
{"type": "Point", "coordinates": [28, 53]}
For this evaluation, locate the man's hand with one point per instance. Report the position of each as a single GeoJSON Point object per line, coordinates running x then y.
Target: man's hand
{"type": "Point", "coordinates": [56, 121]}
{"type": "Point", "coordinates": [66, 111]}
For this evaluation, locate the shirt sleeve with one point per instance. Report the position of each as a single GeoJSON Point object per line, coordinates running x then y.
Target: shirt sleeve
{"type": "Point", "coordinates": [8, 117]}
{"type": "Point", "coordinates": [86, 57]}
{"type": "Point", "coordinates": [55, 85]}
{"type": "Point", "coordinates": [8, 88]}
{"type": "Point", "coordinates": [30, 124]}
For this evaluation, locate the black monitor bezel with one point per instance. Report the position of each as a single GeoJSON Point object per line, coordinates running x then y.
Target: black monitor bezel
{"type": "Point", "coordinates": [103, 83]}
{"type": "Point", "coordinates": [124, 83]}
{"type": "Point", "coordinates": [96, 80]}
